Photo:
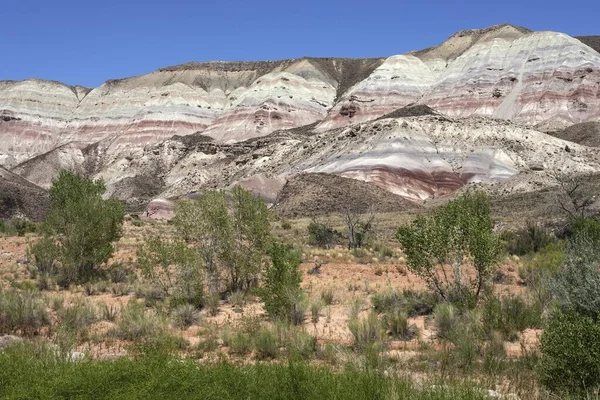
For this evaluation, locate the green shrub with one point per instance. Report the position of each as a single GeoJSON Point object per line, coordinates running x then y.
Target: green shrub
{"type": "Point", "coordinates": [315, 311]}
{"type": "Point", "coordinates": [281, 283]}
{"type": "Point", "coordinates": [366, 331]}
{"type": "Point", "coordinates": [588, 228]}
{"type": "Point", "coordinates": [412, 302]}
{"type": "Point", "coordinates": [576, 287]}
{"type": "Point", "coordinates": [80, 229]}
{"type": "Point", "coordinates": [570, 348]}
{"type": "Point", "coordinates": [185, 316]}
{"type": "Point", "coordinates": [446, 318]}
{"type": "Point", "coordinates": [321, 234]}
{"type": "Point", "coordinates": [530, 239]}
{"type": "Point", "coordinates": [238, 342]}
{"type": "Point", "coordinates": [265, 344]}
{"type": "Point", "coordinates": [77, 316]}
{"type": "Point", "coordinates": [459, 232]}
{"type": "Point", "coordinates": [328, 296]}
{"type": "Point", "coordinates": [286, 225]}
{"type": "Point", "coordinates": [396, 323]}
{"type": "Point", "coordinates": [22, 312]}
{"type": "Point", "coordinates": [302, 345]}
{"type": "Point", "coordinates": [138, 323]}
{"type": "Point", "coordinates": [18, 226]}
{"type": "Point", "coordinates": [537, 270]}
{"type": "Point", "coordinates": [508, 316]}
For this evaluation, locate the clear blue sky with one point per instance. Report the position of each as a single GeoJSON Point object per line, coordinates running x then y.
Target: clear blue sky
{"type": "Point", "coordinates": [89, 41]}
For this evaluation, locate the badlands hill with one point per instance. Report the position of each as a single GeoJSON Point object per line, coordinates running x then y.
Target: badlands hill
{"type": "Point", "coordinates": [476, 108]}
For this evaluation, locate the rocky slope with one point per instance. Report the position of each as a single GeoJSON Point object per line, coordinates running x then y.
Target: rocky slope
{"type": "Point", "coordinates": [418, 125]}
{"type": "Point", "coordinates": [21, 198]}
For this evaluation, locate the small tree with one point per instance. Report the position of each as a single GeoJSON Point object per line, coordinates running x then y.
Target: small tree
{"type": "Point", "coordinates": [358, 227]}
{"type": "Point", "coordinates": [449, 238]}
{"type": "Point", "coordinates": [281, 290]}
{"type": "Point", "coordinates": [173, 267]}
{"type": "Point", "coordinates": [230, 236]}
{"type": "Point", "coordinates": [252, 234]}
{"type": "Point", "coordinates": [81, 225]}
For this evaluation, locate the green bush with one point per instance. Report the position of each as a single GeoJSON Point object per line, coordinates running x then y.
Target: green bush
{"type": "Point", "coordinates": [138, 323]}
{"type": "Point", "coordinates": [396, 323]}
{"type": "Point", "coordinates": [454, 236]}
{"type": "Point", "coordinates": [366, 331]}
{"type": "Point", "coordinates": [18, 226]}
{"type": "Point", "coordinates": [328, 296]}
{"type": "Point", "coordinates": [576, 286]}
{"type": "Point", "coordinates": [185, 316]}
{"type": "Point", "coordinates": [80, 229]}
{"type": "Point", "coordinates": [22, 312]}
{"type": "Point", "coordinates": [265, 344]}
{"type": "Point", "coordinates": [175, 268]}
{"type": "Point", "coordinates": [321, 234]}
{"type": "Point", "coordinates": [570, 348]}
{"type": "Point", "coordinates": [446, 318]}
{"type": "Point", "coordinates": [281, 290]}
{"type": "Point", "coordinates": [77, 316]}
{"type": "Point", "coordinates": [508, 316]}
{"type": "Point", "coordinates": [530, 239]}
{"type": "Point", "coordinates": [412, 302]}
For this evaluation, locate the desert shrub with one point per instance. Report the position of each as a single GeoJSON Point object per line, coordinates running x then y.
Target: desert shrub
{"type": "Point", "coordinates": [359, 252]}
{"type": "Point", "coordinates": [570, 348]}
{"type": "Point", "coordinates": [530, 239]}
{"type": "Point", "coordinates": [396, 324]}
{"type": "Point", "coordinates": [185, 315]}
{"type": "Point", "coordinates": [446, 318]}
{"type": "Point", "coordinates": [238, 342]}
{"type": "Point", "coordinates": [328, 296]}
{"type": "Point", "coordinates": [321, 234]}
{"type": "Point", "coordinates": [576, 286]}
{"type": "Point", "coordinates": [45, 254]}
{"type": "Point", "coordinates": [213, 302]}
{"type": "Point", "coordinates": [108, 312]}
{"type": "Point", "coordinates": [119, 273]}
{"type": "Point", "coordinates": [315, 311]}
{"type": "Point", "coordinates": [136, 322]}
{"type": "Point", "coordinates": [77, 316]}
{"type": "Point", "coordinates": [588, 228]}
{"type": "Point", "coordinates": [22, 312]}
{"type": "Point", "coordinates": [281, 282]}
{"type": "Point", "coordinates": [301, 344]}
{"type": "Point", "coordinates": [237, 298]}
{"type": "Point", "coordinates": [536, 271]}
{"type": "Point", "coordinates": [18, 226]}
{"type": "Point", "coordinates": [81, 227]}
{"type": "Point", "coordinates": [366, 331]}
{"type": "Point", "coordinates": [460, 231]}
{"type": "Point", "coordinates": [265, 344]}
{"type": "Point", "coordinates": [286, 225]}
{"type": "Point", "coordinates": [359, 227]}
{"type": "Point", "coordinates": [173, 267]}
{"type": "Point", "coordinates": [412, 302]}
{"type": "Point", "coordinates": [508, 316]}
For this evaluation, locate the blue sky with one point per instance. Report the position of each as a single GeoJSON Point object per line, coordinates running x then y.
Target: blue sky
{"type": "Point", "coordinates": [87, 42]}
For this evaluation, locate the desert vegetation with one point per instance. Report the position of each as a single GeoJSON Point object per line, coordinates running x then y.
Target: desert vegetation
{"type": "Point", "coordinates": [228, 299]}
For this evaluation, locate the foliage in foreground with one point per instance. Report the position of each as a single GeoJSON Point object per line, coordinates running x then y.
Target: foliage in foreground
{"type": "Point", "coordinates": [29, 373]}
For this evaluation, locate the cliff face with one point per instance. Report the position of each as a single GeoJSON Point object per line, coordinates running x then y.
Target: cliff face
{"type": "Point", "coordinates": [260, 123]}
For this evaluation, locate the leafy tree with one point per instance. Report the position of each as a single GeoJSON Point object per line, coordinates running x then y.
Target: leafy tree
{"type": "Point", "coordinates": [439, 246]}
{"type": "Point", "coordinates": [230, 236]}
{"type": "Point", "coordinates": [321, 234]}
{"type": "Point", "coordinates": [281, 282]}
{"type": "Point", "coordinates": [82, 226]}
{"type": "Point", "coordinates": [251, 236]}
{"type": "Point", "coordinates": [205, 224]}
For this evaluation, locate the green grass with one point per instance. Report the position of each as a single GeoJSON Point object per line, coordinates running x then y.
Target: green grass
{"type": "Point", "coordinates": [26, 373]}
